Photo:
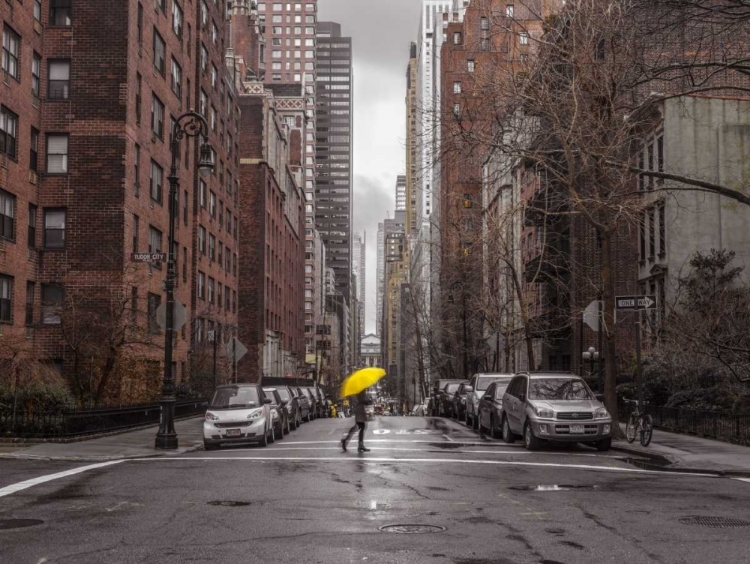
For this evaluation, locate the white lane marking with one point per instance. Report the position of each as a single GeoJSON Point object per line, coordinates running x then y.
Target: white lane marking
{"type": "Point", "coordinates": [457, 451]}
{"type": "Point", "coordinates": [743, 479]}
{"type": "Point", "coordinates": [13, 488]}
{"type": "Point", "coordinates": [474, 443]}
{"type": "Point", "coordinates": [374, 460]}
{"type": "Point", "coordinates": [446, 437]}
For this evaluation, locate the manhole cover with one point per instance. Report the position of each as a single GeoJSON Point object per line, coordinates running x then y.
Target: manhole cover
{"type": "Point", "coordinates": [411, 529]}
{"type": "Point", "coordinates": [6, 524]}
{"type": "Point", "coordinates": [229, 503]}
{"type": "Point", "coordinates": [714, 522]}
{"type": "Point", "coordinates": [551, 488]}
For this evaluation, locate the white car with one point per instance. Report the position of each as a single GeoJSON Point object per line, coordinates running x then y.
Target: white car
{"type": "Point", "coordinates": [238, 413]}
{"type": "Point", "coordinates": [479, 384]}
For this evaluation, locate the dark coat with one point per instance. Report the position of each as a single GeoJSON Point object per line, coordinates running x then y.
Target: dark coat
{"type": "Point", "coordinates": [360, 414]}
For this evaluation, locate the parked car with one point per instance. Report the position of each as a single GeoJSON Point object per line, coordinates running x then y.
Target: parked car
{"type": "Point", "coordinates": [554, 406]}
{"type": "Point", "coordinates": [322, 402]}
{"type": "Point", "coordinates": [458, 404]}
{"type": "Point", "coordinates": [479, 383]}
{"type": "Point", "coordinates": [238, 413]}
{"type": "Point", "coordinates": [304, 404]}
{"type": "Point", "coordinates": [491, 406]}
{"type": "Point", "coordinates": [281, 421]}
{"type": "Point", "coordinates": [313, 401]}
{"type": "Point", "coordinates": [435, 397]}
{"type": "Point", "coordinates": [445, 400]}
{"type": "Point", "coordinates": [291, 406]}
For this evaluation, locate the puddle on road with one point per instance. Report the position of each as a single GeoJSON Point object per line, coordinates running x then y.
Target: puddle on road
{"type": "Point", "coordinates": [7, 524]}
{"type": "Point", "coordinates": [552, 488]}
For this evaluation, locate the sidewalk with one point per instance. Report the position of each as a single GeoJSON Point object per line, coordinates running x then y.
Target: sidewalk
{"type": "Point", "coordinates": [135, 444]}
{"type": "Point", "coordinates": [688, 453]}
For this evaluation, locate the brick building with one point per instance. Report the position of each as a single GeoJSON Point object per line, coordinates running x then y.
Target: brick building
{"type": "Point", "coordinates": [84, 171]}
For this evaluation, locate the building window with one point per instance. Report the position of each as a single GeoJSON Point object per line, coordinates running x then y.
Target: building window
{"type": "Point", "coordinates": [642, 229]}
{"type": "Point", "coordinates": [36, 73]}
{"type": "Point", "coordinates": [468, 201]}
{"type": "Point", "coordinates": [57, 153]}
{"type": "Point", "coordinates": [484, 24]}
{"type": "Point", "coordinates": [176, 19]}
{"type": "Point", "coordinates": [8, 132]}
{"type": "Point", "coordinates": [157, 117]}
{"type": "Point", "coordinates": [59, 80]}
{"type": "Point", "coordinates": [153, 301]}
{"type": "Point", "coordinates": [38, 10]}
{"type": "Point", "coordinates": [7, 215]}
{"type": "Point", "coordinates": [160, 50]}
{"type": "Point", "coordinates": [154, 240]}
{"type": "Point", "coordinates": [52, 304]}
{"type": "Point", "coordinates": [136, 229]}
{"type": "Point", "coordinates": [54, 229]}
{"type": "Point", "coordinates": [204, 58]}
{"type": "Point", "coordinates": [59, 12]}
{"type": "Point", "coordinates": [184, 264]}
{"type": "Point", "coordinates": [157, 178]}
{"type": "Point", "coordinates": [31, 236]}
{"type": "Point", "coordinates": [509, 10]}
{"type": "Point", "coordinates": [201, 285]}
{"type": "Point", "coordinates": [6, 299]}
{"type": "Point", "coordinates": [523, 38]}
{"type": "Point", "coordinates": [456, 109]}
{"type": "Point", "coordinates": [137, 170]}
{"type": "Point", "coordinates": [30, 295]}
{"type": "Point", "coordinates": [138, 99]}
{"type": "Point", "coordinates": [662, 230]}
{"type": "Point", "coordinates": [457, 87]}
{"type": "Point", "coordinates": [214, 76]}
{"type": "Point", "coordinates": [212, 204]}
{"type": "Point", "coordinates": [484, 44]}
{"type": "Point", "coordinates": [471, 66]}
{"type": "Point", "coordinates": [11, 51]}
{"type": "Point", "coordinates": [211, 289]}
{"type": "Point", "coordinates": [202, 103]}
{"type": "Point", "coordinates": [202, 193]}
{"type": "Point", "coordinates": [33, 149]}
{"type": "Point", "coordinates": [202, 239]}
{"type": "Point", "coordinates": [457, 38]}
{"type": "Point", "coordinates": [211, 247]}
{"type": "Point", "coordinates": [176, 78]}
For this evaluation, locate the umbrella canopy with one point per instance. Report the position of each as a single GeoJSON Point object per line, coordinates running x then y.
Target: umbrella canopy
{"type": "Point", "coordinates": [361, 380]}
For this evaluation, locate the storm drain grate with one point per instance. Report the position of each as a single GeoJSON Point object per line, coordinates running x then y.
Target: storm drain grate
{"type": "Point", "coordinates": [229, 503]}
{"type": "Point", "coordinates": [7, 524]}
{"type": "Point", "coordinates": [411, 529]}
{"type": "Point", "coordinates": [714, 522]}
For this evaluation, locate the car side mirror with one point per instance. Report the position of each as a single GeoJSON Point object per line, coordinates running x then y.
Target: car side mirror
{"type": "Point", "coordinates": [267, 401]}
{"type": "Point", "coordinates": [468, 389]}
{"type": "Point", "coordinates": [283, 403]}
{"type": "Point", "coordinates": [599, 397]}
{"type": "Point", "coordinates": [487, 397]}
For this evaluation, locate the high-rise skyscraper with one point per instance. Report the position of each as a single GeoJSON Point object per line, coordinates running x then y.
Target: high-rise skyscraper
{"type": "Point", "coordinates": [333, 192]}
{"type": "Point", "coordinates": [401, 193]}
{"type": "Point", "coordinates": [380, 280]}
{"type": "Point", "coordinates": [412, 115]}
{"type": "Point", "coordinates": [360, 273]}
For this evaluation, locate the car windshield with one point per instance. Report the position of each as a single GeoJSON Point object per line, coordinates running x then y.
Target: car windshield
{"type": "Point", "coordinates": [310, 393]}
{"type": "Point", "coordinates": [269, 395]}
{"type": "Point", "coordinates": [234, 397]}
{"type": "Point", "coordinates": [451, 388]}
{"type": "Point", "coordinates": [283, 393]}
{"type": "Point", "coordinates": [483, 382]}
{"type": "Point", "coordinates": [558, 389]}
{"type": "Point", "coordinates": [500, 388]}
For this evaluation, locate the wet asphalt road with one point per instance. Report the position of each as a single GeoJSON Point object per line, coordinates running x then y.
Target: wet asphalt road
{"type": "Point", "coordinates": [303, 500]}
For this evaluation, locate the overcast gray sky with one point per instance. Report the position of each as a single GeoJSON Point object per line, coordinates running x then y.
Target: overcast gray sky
{"type": "Point", "coordinates": [381, 31]}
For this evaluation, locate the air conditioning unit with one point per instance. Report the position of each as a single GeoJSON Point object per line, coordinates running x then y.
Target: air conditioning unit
{"type": "Point", "coordinates": [32, 177]}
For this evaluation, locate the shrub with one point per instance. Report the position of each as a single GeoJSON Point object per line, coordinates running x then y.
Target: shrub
{"type": "Point", "coordinates": [703, 399]}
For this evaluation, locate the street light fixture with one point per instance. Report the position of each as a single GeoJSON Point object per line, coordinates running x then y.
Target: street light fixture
{"type": "Point", "coordinates": [592, 355]}
{"type": "Point", "coordinates": [189, 124]}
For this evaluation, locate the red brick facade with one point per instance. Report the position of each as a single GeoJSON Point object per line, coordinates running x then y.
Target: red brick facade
{"type": "Point", "coordinates": [104, 111]}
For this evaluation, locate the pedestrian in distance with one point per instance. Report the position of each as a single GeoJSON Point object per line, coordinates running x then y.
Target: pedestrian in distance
{"type": "Point", "coordinates": [360, 423]}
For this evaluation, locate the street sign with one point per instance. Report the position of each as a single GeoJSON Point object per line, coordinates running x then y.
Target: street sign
{"type": "Point", "coordinates": [635, 303]}
{"type": "Point", "coordinates": [591, 315]}
{"type": "Point", "coordinates": [148, 257]}
{"type": "Point", "coordinates": [236, 348]}
{"type": "Point", "coordinates": [178, 319]}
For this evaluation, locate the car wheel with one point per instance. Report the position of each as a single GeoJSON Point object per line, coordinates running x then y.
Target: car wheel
{"type": "Point", "coordinates": [272, 435]}
{"type": "Point", "coordinates": [604, 444]}
{"type": "Point", "coordinates": [480, 427]}
{"type": "Point", "coordinates": [264, 441]}
{"type": "Point", "coordinates": [493, 427]}
{"type": "Point", "coordinates": [288, 428]}
{"type": "Point", "coordinates": [209, 446]}
{"type": "Point", "coordinates": [474, 422]}
{"type": "Point", "coordinates": [508, 435]}
{"type": "Point", "coordinates": [532, 443]}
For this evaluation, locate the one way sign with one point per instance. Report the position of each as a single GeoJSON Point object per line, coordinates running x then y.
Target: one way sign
{"type": "Point", "coordinates": [635, 303]}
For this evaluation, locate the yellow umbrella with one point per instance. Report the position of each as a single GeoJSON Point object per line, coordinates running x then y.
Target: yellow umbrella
{"type": "Point", "coordinates": [361, 380]}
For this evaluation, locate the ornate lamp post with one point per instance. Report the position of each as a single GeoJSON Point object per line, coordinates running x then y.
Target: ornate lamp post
{"type": "Point", "coordinates": [189, 124]}
{"type": "Point", "coordinates": [592, 355]}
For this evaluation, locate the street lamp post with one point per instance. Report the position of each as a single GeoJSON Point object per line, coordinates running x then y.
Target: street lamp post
{"type": "Point", "coordinates": [455, 286]}
{"type": "Point", "coordinates": [189, 124]}
{"type": "Point", "coordinates": [592, 355]}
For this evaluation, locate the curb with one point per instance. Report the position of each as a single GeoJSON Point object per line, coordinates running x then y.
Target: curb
{"type": "Point", "coordinates": [667, 464]}
{"type": "Point", "coordinates": [98, 458]}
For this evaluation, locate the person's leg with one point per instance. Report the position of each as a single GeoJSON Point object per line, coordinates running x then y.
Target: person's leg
{"type": "Point", "coordinates": [362, 427]}
{"type": "Point", "coordinates": [346, 439]}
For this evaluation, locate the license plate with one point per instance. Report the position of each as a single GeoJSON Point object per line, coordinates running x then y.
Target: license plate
{"type": "Point", "coordinates": [576, 429]}
{"type": "Point", "coordinates": [237, 432]}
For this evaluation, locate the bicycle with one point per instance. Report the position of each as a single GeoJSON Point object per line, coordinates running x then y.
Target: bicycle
{"type": "Point", "coordinates": [639, 422]}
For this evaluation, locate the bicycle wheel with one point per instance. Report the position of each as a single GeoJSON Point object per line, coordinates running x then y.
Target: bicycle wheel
{"type": "Point", "coordinates": [631, 428]}
{"type": "Point", "coordinates": [647, 430]}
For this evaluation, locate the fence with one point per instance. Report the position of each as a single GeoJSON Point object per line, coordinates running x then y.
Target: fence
{"type": "Point", "coordinates": [709, 424]}
{"type": "Point", "coordinates": [79, 422]}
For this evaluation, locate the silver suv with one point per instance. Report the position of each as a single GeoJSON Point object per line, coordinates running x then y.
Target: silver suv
{"type": "Point", "coordinates": [554, 406]}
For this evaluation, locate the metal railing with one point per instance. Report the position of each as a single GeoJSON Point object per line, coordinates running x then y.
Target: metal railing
{"type": "Point", "coordinates": [708, 424]}
{"type": "Point", "coordinates": [80, 422]}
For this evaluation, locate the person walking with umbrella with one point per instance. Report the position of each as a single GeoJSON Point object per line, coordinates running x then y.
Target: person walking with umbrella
{"type": "Point", "coordinates": [360, 423]}
{"type": "Point", "coordinates": [356, 384]}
